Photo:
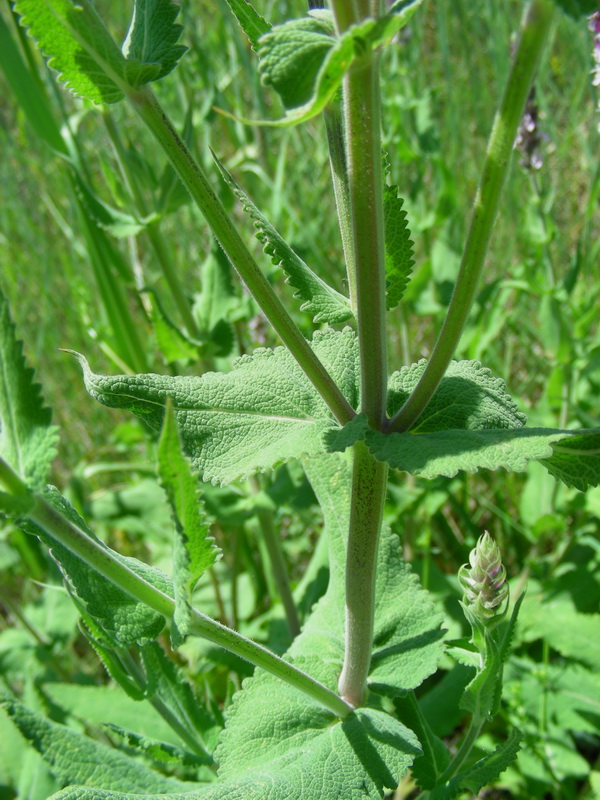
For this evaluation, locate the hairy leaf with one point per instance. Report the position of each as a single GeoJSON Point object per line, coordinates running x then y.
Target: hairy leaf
{"type": "Point", "coordinates": [194, 550]}
{"type": "Point", "coordinates": [74, 38]}
{"type": "Point", "coordinates": [306, 65]}
{"type": "Point", "coordinates": [27, 439]}
{"type": "Point", "coordinates": [153, 35]}
{"type": "Point", "coordinates": [250, 21]}
{"type": "Point", "coordinates": [76, 759]}
{"type": "Point", "coordinates": [124, 621]}
{"type": "Point", "coordinates": [398, 247]}
{"type": "Point", "coordinates": [484, 772]}
{"type": "Point", "coordinates": [318, 297]}
{"type": "Point", "coordinates": [265, 411]}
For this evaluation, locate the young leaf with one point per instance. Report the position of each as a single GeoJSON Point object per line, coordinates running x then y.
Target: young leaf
{"type": "Point", "coordinates": [76, 759]}
{"type": "Point", "coordinates": [194, 550]}
{"type": "Point", "coordinates": [262, 413]}
{"type": "Point", "coordinates": [88, 60]}
{"type": "Point", "coordinates": [250, 21]}
{"type": "Point", "coordinates": [398, 247]}
{"type": "Point", "coordinates": [123, 620]}
{"type": "Point", "coordinates": [484, 772]}
{"type": "Point", "coordinates": [27, 439]}
{"type": "Point", "coordinates": [318, 297]}
{"type": "Point", "coordinates": [153, 35]}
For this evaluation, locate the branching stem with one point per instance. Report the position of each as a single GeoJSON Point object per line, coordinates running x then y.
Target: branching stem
{"type": "Point", "coordinates": [536, 25]}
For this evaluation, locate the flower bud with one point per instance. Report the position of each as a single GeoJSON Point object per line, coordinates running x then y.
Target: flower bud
{"type": "Point", "coordinates": [484, 581]}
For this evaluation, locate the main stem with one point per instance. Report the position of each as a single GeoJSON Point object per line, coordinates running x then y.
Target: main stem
{"type": "Point", "coordinates": [369, 479]}
{"type": "Point", "coordinates": [536, 26]}
{"type": "Point", "coordinates": [197, 184]}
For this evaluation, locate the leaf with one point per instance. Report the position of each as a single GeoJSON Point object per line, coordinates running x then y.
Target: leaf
{"type": "Point", "coordinates": [153, 35]}
{"type": "Point", "coordinates": [306, 66]}
{"type": "Point", "coordinates": [173, 343]}
{"type": "Point", "coordinates": [75, 758]}
{"type": "Point", "coordinates": [123, 620]}
{"type": "Point", "coordinates": [161, 752]}
{"type": "Point", "coordinates": [262, 413]}
{"type": "Point", "coordinates": [318, 297]}
{"type": "Point", "coordinates": [250, 21]}
{"type": "Point", "coordinates": [398, 246]}
{"type": "Point", "coordinates": [483, 772]}
{"type": "Point", "coordinates": [81, 50]}
{"type": "Point", "coordinates": [115, 222]}
{"type": "Point", "coordinates": [194, 550]}
{"type": "Point", "coordinates": [577, 8]}
{"type": "Point", "coordinates": [446, 452]}
{"type": "Point", "coordinates": [27, 439]}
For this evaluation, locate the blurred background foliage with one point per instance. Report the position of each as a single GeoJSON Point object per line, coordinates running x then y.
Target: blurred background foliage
{"type": "Point", "coordinates": [103, 253]}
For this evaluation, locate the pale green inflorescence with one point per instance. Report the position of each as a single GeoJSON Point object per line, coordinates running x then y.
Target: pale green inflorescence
{"type": "Point", "coordinates": [484, 581]}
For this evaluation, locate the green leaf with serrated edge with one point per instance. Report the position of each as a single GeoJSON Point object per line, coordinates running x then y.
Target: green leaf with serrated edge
{"type": "Point", "coordinates": [194, 549]}
{"type": "Point", "coordinates": [398, 247]}
{"type": "Point", "coordinates": [124, 621]}
{"type": "Point", "coordinates": [250, 21]}
{"type": "Point", "coordinates": [81, 50]}
{"type": "Point", "coordinates": [319, 299]}
{"type": "Point", "coordinates": [161, 752]}
{"type": "Point", "coordinates": [428, 767]}
{"type": "Point", "coordinates": [153, 35]}
{"type": "Point", "coordinates": [262, 413]}
{"type": "Point", "coordinates": [166, 682]}
{"type": "Point", "coordinates": [446, 452]}
{"type": "Point", "coordinates": [483, 772]}
{"type": "Point", "coordinates": [336, 60]}
{"type": "Point", "coordinates": [76, 759]}
{"type": "Point", "coordinates": [577, 8]}
{"type": "Point", "coordinates": [27, 438]}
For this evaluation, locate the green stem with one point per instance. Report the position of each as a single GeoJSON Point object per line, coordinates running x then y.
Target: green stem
{"type": "Point", "coordinates": [369, 483]}
{"type": "Point", "coordinates": [463, 753]}
{"type": "Point", "coordinates": [339, 177]}
{"type": "Point", "coordinates": [104, 561]}
{"type": "Point", "coordinates": [534, 32]}
{"type": "Point", "coordinates": [197, 184]}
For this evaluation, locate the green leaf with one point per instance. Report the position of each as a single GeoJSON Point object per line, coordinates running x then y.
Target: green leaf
{"type": "Point", "coordinates": [111, 220]}
{"type": "Point", "coordinates": [123, 620]}
{"type": "Point", "coordinates": [577, 8]}
{"type": "Point", "coordinates": [398, 246]}
{"type": "Point", "coordinates": [194, 550]}
{"type": "Point", "coordinates": [87, 58]}
{"type": "Point", "coordinates": [27, 439]}
{"type": "Point", "coordinates": [173, 343]}
{"type": "Point", "coordinates": [161, 752]}
{"type": "Point", "coordinates": [153, 35]}
{"type": "Point", "coordinates": [75, 758]}
{"type": "Point", "coordinates": [318, 297]}
{"type": "Point", "coordinates": [576, 461]}
{"type": "Point", "coordinates": [306, 65]}
{"type": "Point", "coordinates": [262, 413]}
{"type": "Point", "coordinates": [485, 771]}
{"type": "Point", "coordinates": [250, 21]}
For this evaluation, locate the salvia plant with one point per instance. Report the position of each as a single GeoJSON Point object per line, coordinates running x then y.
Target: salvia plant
{"type": "Point", "coordinates": [336, 716]}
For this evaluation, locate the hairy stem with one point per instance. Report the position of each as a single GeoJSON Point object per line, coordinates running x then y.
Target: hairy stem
{"type": "Point", "coordinates": [197, 184]}
{"type": "Point", "coordinates": [369, 483]}
{"type": "Point", "coordinates": [104, 561]}
{"type": "Point", "coordinates": [536, 25]}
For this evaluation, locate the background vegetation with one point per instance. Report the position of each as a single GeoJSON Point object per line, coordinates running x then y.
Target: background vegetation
{"type": "Point", "coordinates": [68, 267]}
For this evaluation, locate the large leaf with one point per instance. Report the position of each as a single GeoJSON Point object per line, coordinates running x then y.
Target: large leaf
{"type": "Point", "coordinates": [265, 411]}
{"type": "Point", "coordinates": [278, 744]}
{"type": "Point", "coordinates": [306, 65]}
{"type": "Point", "coordinates": [194, 549]}
{"type": "Point", "coordinates": [318, 298]}
{"type": "Point", "coordinates": [123, 620]}
{"type": "Point", "coordinates": [27, 439]}
{"type": "Point", "coordinates": [75, 758]}
{"type": "Point", "coordinates": [85, 55]}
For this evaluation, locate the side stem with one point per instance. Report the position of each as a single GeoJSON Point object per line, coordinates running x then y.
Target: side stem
{"type": "Point", "coordinates": [197, 184]}
{"type": "Point", "coordinates": [535, 28]}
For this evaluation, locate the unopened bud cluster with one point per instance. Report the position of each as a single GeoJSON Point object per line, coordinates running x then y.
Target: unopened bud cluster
{"type": "Point", "coordinates": [484, 580]}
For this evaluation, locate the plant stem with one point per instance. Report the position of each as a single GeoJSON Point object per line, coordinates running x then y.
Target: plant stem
{"type": "Point", "coordinates": [104, 561]}
{"type": "Point", "coordinates": [197, 184]}
{"type": "Point", "coordinates": [369, 484]}
{"type": "Point", "coordinates": [535, 28]}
